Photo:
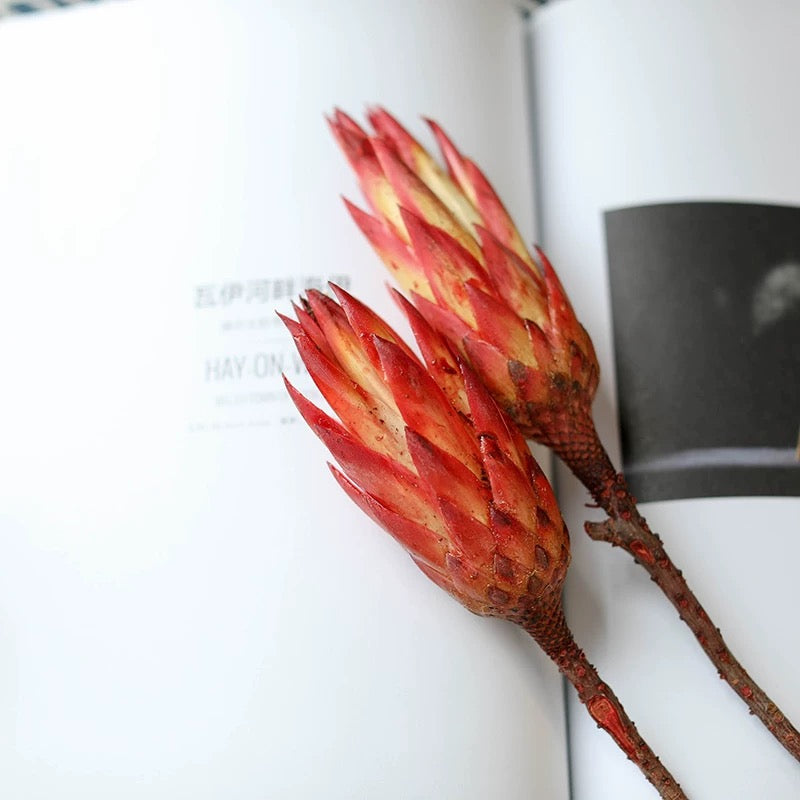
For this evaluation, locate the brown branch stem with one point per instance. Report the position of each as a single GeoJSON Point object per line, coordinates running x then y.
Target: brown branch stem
{"type": "Point", "coordinates": [545, 622]}
{"type": "Point", "coordinates": [585, 455]}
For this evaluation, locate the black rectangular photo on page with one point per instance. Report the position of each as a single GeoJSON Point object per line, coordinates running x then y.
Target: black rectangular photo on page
{"type": "Point", "coordinates": [705, 299]}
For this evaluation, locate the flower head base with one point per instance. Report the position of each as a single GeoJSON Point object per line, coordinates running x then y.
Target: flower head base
{"type": "Point", "coordinates": [450, 242]}
{"type": "Point", "coordinates": [430, 457]}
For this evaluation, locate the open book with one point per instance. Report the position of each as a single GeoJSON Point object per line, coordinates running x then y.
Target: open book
{"type": "Point", "coordinates": [189, 605]}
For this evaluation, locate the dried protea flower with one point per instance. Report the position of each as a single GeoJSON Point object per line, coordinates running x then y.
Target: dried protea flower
{"type": "Point", "coordinates": [441, 470]}
{"type": "Point", "coordinates": [452, 245]}
{"type": "Point", "coordinates": [450, 242]}
{"type": "Point", "coordinates": [434, 461]}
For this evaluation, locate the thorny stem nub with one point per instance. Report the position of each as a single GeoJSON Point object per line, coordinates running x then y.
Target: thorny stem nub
{"type": "Point", "coordinates": [582, 451]}
{"type": "Point", "coordinates": [545, 622]}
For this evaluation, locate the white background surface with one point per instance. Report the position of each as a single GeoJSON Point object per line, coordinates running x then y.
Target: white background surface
{"type": "Point", "coordinates": [204, 614]}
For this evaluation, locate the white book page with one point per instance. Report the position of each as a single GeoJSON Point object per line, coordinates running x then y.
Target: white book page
{"type": "Point", "coordinates": [638, 104]}
{"type": "Point", "coordinates": [189, 605]}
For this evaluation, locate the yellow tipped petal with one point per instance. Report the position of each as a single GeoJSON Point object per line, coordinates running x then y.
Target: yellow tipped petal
{"type": "Point", "coordinates": [349, 353]}
{"type": "Point", "coordinates": [393, 251]}
{"type": "Point", "coordinates": [497, 303]}
{"type": "Point", "coordinates": [420, 161]}
{"type": "Point", "coordinates": [413, 194]}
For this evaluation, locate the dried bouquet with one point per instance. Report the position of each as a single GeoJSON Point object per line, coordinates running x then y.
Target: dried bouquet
{"type": "Point", "coordinates": [432, 446]}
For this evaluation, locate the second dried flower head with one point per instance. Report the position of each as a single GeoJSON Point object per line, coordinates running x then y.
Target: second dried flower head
{"type": "Point", "coordinates": [452, 245]}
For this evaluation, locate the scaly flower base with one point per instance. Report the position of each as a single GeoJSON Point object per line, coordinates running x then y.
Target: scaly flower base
{"type": "Point", "coordinates": [546, 624]}
{"type": "Point", "coordinates": [583, 452]}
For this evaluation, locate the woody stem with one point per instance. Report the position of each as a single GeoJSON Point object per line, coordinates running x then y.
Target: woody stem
{"type": "Point", "coordinates": [547, 625]}
{"type": "Point", "coordinates": [625, 527]}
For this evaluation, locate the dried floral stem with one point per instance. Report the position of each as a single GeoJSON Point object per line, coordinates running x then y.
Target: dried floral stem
{"type": "Point", "coordinates": [545, 622]}
{"type": "Point", "coordinates": [583, 452]}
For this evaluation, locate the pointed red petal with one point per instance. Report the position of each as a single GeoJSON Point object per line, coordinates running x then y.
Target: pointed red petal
{"type": "Point", "coordinates": [438, 250]}
{"type": "Point", "coordinates": [389, 129]}
{"type": "Point", "coordinates": [393, 485]}
{"type": "Point", "coordinates": [425, 167]}
{"type": "Point", "coordinates": [493, 212]}
{"type": "Point", "coordinates": [362, 414]}
{"type": "Point", "coordinates": [447, 265]}
{"type": "Point", "coordinates": [473, 539]}
{"type": "Point", "coordinates": [537, 537]}
{"type": "Point", "coordinates": [516, 282]}
{"type": "Point", "coordinates": [354, 143]}
{"type": "Point", "coordinates": [312, 330]}
{"type": "Point", "coordinates": [551, 532]}
{"type": "Point", "coordinates": [424, 406]}
{"type": "Point", "coordinates": [562, 317]}
{"type": "Point", "coordinates": [508, 572]}
{"type": "Point", "coordinates": [545, 496]}
{"type": "Point", "coordinates": [330, 318]}
{"type": "Point", "coordinates": [346, 346]}
{"type": "Point", "coordinates": [511, 488]}
{"type": "Point", "coordinates": [424, 545]}
{"type": "Point", "coordinates": [532, 385]}
{"type": "Point", "coordinates": [499, 325]}
{"type": "Point", "coordinates": [480, 192]}
{"type": "Point", "coordinates": [437, 355]}
{"type": "Point", "coordinates": [294, 328]}
{"type": "Point", "coordinates": [492, 368]}
{"type": "Point", "coordinates": [442, 320]}
{"type": "Point", "coordinates": [488, 419]}
{"type": "Point", "coordinates": [358, 150]}
{"type": "Point", "coordinates": [513, 540]}
{"type": "Point", "coordinates": [392, 250]}
{"type": "Point", "coordinates": [315, 417]}
{"type": "Point", "coordinates": [348, 123]}
{"type": "Point", "coordinates": [365, 322]}
{"type": "Point", "coordinates": [453, 159]}
{"type": "Point", "coordinates": [542, 352]}
{"type": "Point", "coordinates": [571, 345]}
{"type": "Point", "coordinates": [447, 479]}
{"type": "Point", "coordinates": [469, 583]}
{"type": "Point", "coordinates": [414, 195]}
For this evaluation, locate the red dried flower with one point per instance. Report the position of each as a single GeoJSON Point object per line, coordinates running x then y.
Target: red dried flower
{"type": "Point", "coordinates": [451, 244]}
{"type": "Point", "coordinates": [436, 464]}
